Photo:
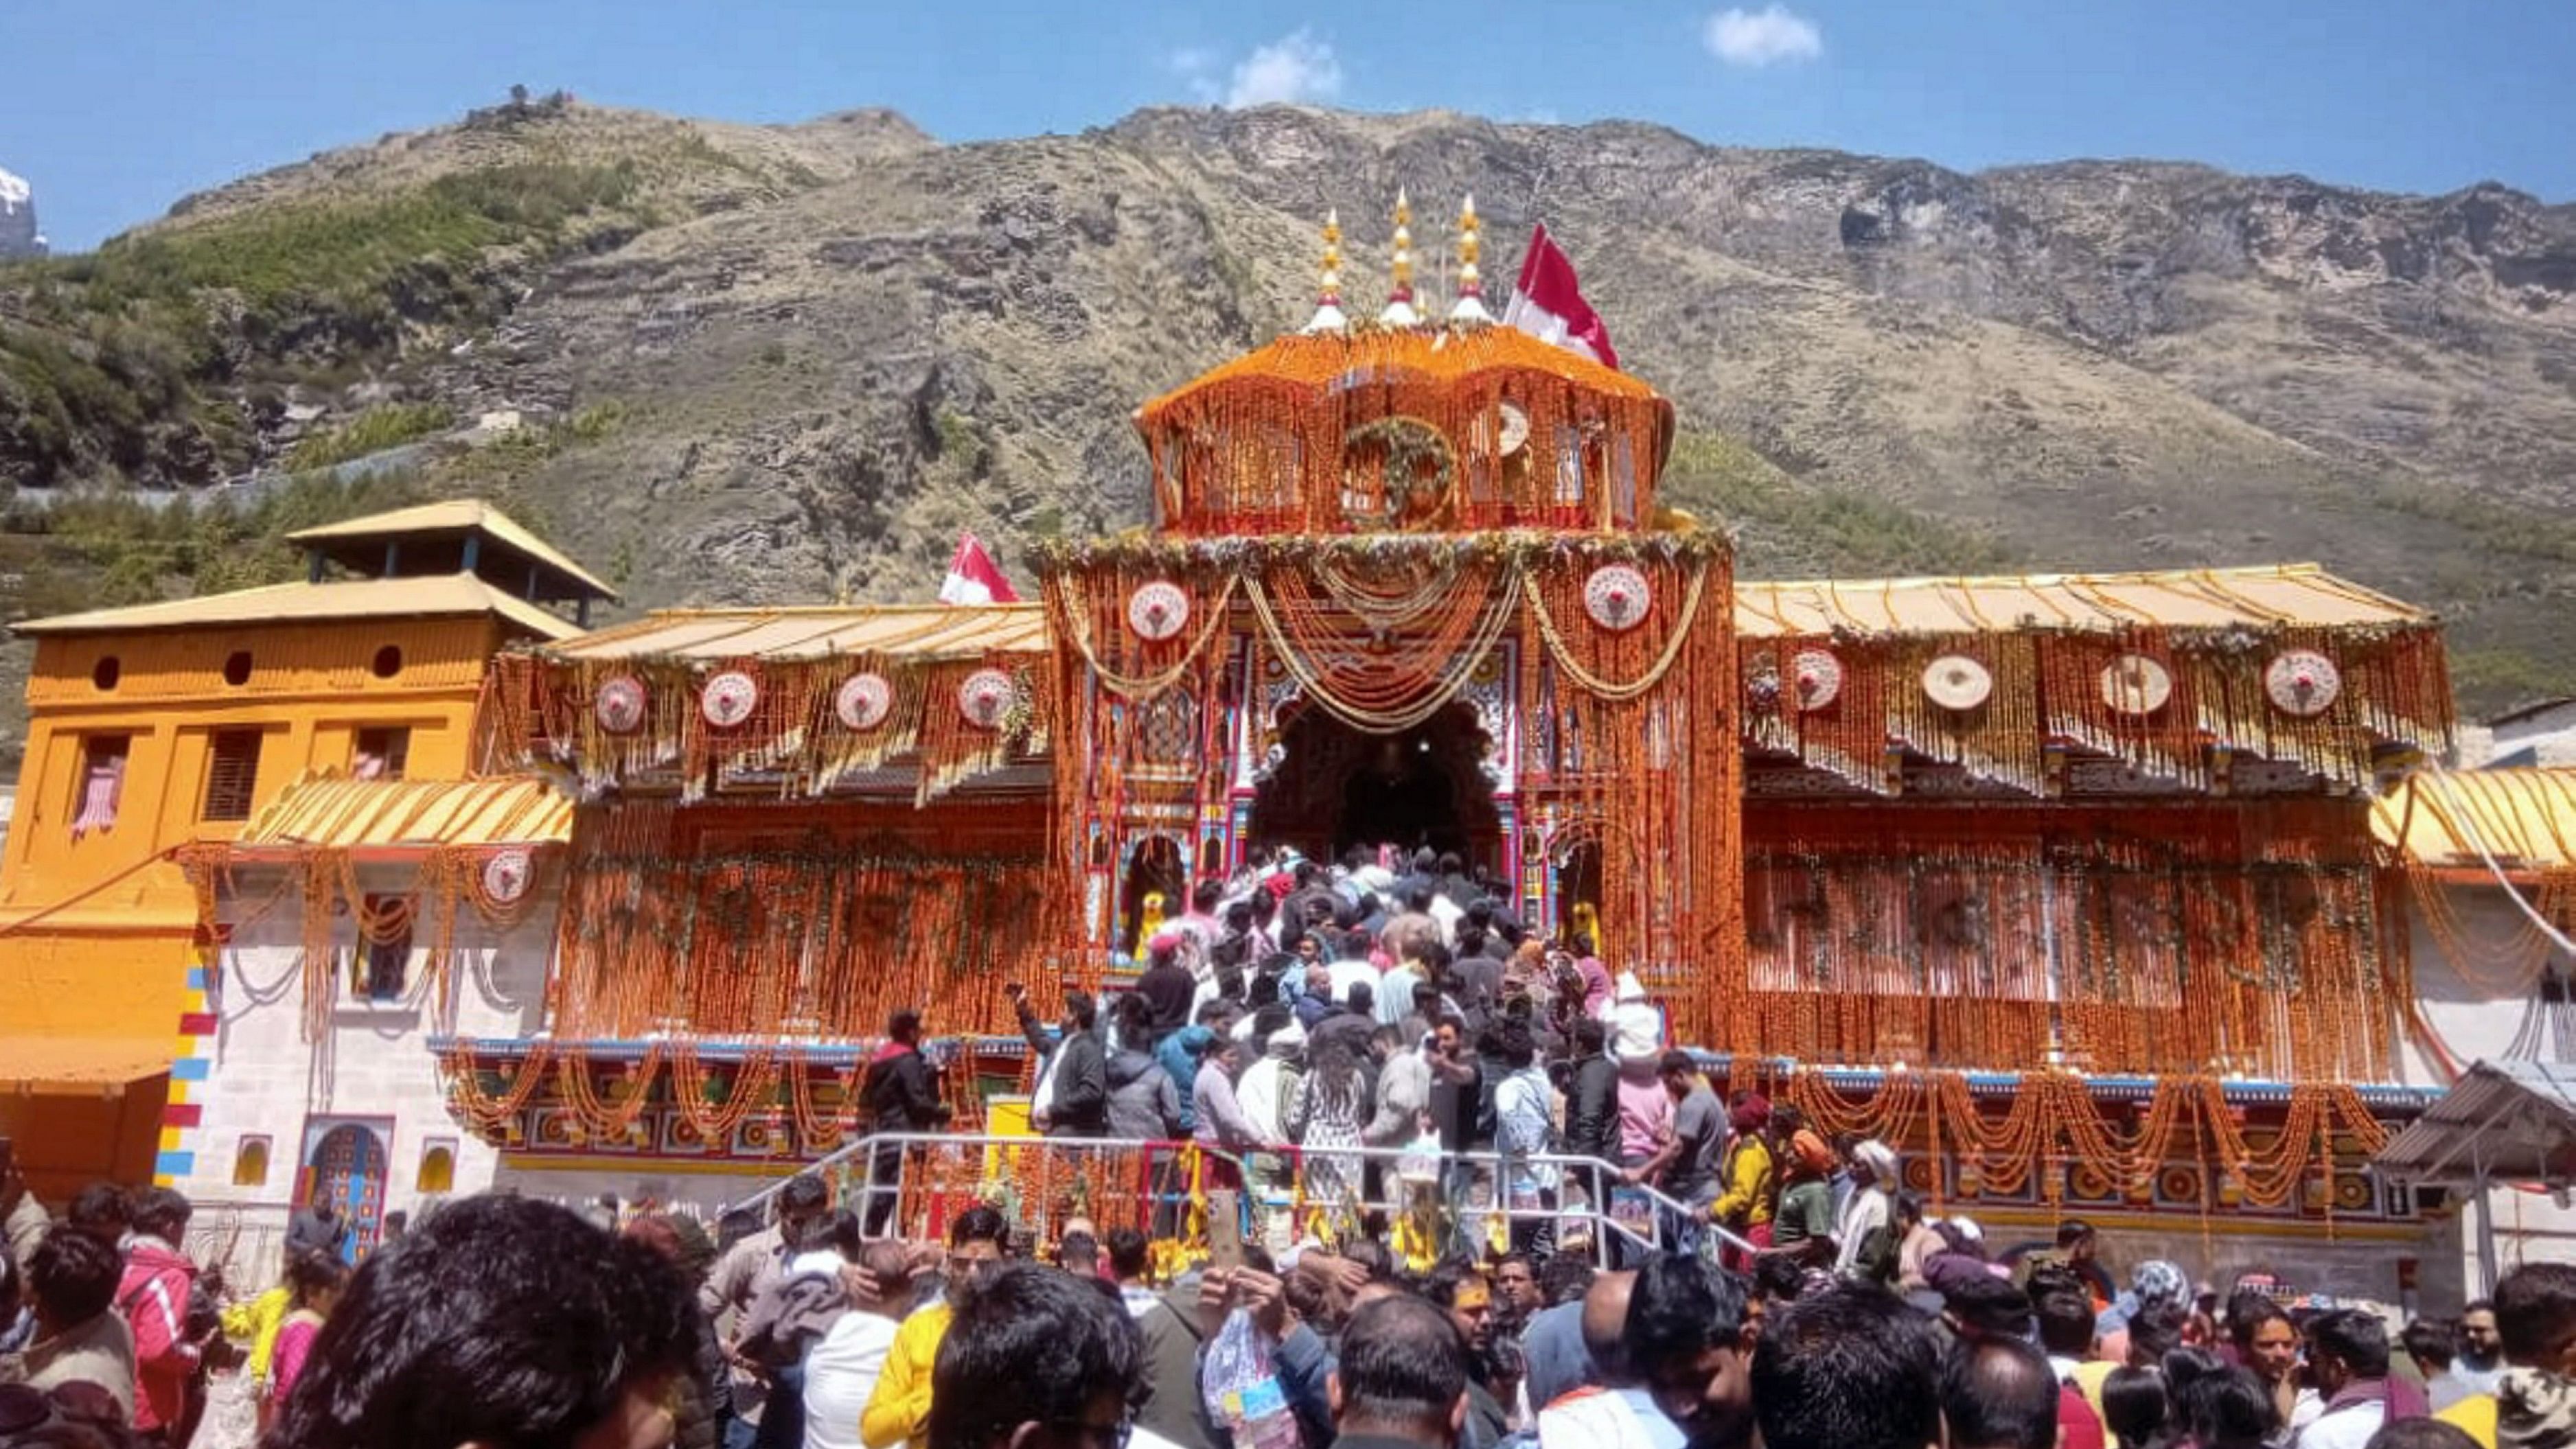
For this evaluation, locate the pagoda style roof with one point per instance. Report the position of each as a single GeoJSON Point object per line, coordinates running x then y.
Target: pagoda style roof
{"type": "Point", "coordinates": [439, 530]}
{"type": "Point", "coordinates": [334, 812]}
{"type": "Point", "coordinates": [2522, 819]}
{"type": "Point", "coordinates": [924, 632]}
{"type": "Point", "coordinates": [430, 597]}
{"type": "Point", "coordinates": [2293, 595]}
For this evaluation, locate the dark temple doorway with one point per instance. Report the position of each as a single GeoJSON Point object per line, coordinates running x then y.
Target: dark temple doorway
{"type": "Point", "coordinates": [1337, 786]}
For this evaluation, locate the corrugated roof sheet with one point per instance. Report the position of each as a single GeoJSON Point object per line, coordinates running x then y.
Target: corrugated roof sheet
{"type": "Point", "coordinates": [2300, 594]}
{"type": "Point", "coordinates": [379, 814]}
{"type": "Point", "coordinates": [2512, 1121]}
{"type": "Point", "coordinates": [917, 631]}
{"type": "Point", "coordinates": [2526, 818]}
{"type": "Point", "coordinates": [455, 513]}
{"type": "Point", "coordinates": [434, 596]}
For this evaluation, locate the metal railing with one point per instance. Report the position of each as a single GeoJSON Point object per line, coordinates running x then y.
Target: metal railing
{"type": "Point", "coordinates": [892, 1179]}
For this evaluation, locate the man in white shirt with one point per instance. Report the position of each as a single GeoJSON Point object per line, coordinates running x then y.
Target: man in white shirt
{"type": "Point", "coordinates": [2348, 1354]}
{"type": "Point", "coordinates": [841, 1369]}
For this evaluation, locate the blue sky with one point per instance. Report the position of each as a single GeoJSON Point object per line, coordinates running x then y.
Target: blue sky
{"type": "Point", "coordinates": [115, 108]}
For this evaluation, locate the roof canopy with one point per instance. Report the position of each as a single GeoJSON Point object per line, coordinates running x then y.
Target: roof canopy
{"type": "Point", "coordinates": [437, 596]}
{"type": "Point", "coordinates": [2455, 819]}
{"type": "Point", "coordinates": [337, 813]}
{"type": "Point", "coordinates": [460, 535]}
{"type": "Point", "coordinates": [923, 632]}
{"type": "Point", "coordinates": [2292, 595]}
{"type": "Point", "coordinates": [2501, 1122]}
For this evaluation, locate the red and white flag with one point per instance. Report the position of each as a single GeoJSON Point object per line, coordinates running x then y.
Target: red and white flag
{"type": "Point", "coordinates": [972, 577]}
{"type": "Point", "coordinates": [1548, 303]}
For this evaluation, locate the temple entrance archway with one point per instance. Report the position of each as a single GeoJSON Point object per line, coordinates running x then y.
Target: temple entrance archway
{"type": "Point", "coordinates": [1337, 786]}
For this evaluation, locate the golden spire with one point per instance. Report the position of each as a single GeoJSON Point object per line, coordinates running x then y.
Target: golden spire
{"type": "Point", "coordinates": [1399, 293]}
{"type": "Point", "coordinates": [1328, 282]}
{"type": "Point", "coordinates": [1470, 306]}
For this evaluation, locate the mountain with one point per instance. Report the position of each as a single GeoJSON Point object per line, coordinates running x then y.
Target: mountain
{"type": "Point", "coordinates": [733, 363]}
{"type": "Point", "coordinates": [18, 234]}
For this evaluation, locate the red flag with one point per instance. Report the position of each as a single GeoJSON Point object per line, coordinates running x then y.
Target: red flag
{"type": "Point", "coordinates": [972, 577]}
{"type": "Point", "coordinates": [1548, 304]}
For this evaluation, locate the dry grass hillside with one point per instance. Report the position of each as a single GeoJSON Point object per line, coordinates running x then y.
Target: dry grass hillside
{"type": "Point", "coordinates": [774, 363]}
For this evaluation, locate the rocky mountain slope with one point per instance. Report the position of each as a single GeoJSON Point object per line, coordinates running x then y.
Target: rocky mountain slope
{"type": "Point", "coordinates": [733, 363]}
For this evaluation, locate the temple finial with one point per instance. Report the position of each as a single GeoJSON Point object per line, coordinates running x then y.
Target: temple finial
{"type": "Point", "coordinates": [1328, 281]}
{"type": "Point", "coordinates": [1399, 292]}
{"type": "Point", "coordinates": [1470, 306]}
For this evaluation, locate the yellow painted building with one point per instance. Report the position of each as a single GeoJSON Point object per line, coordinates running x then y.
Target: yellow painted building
{"type": "Point", "coordinates": [165, 725]}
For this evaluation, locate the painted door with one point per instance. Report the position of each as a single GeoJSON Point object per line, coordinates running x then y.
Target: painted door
{"type": "Point", "coordinates": [347, 1171]}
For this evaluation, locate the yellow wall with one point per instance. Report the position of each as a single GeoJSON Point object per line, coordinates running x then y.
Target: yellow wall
{"type": "Point", "coordinates": [97, 934]}
{"type": "Point", "coordinates": [311, 687]}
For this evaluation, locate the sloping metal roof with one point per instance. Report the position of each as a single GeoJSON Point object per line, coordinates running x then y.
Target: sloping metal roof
{"type": "Point", "coordinates": [2525, 818]}
{"type": "Point", "coordinates": [427, 596]}
{"type": "Point", "coordinates": [329, 810]}
{"type": "Point", "coordinates": [2292, 594]}
{"type": "Point", "coordinates": [913, 631]}
{"type": "Point", "coordinates": [453, 515]}
{"type": "Point", "coordinates": [2504, 1121]}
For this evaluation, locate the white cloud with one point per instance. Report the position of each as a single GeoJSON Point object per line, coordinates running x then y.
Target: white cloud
{"type": "Point", "coordinates": [1762, 37]}
{"type": "Point", "coordinates": [1295, 68]}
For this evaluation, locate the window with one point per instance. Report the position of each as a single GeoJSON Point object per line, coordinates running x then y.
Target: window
{"type": "Point", "coordinates": [232, 774]}
{"type": "Point", "coordinates": [102, 782]}
{"type": "Point", "coordinates": [250, 1163]}
{"type": "Point", "coordinates": [237, 668]}
{"type": "Point", "coordinates": [381, 968]}
{"type": "Point", "coordinates": [105, 673]}
{"type": "Point", "coordinates": [380, 753]}
{"type": "Point", "coordinates": [388, 662]}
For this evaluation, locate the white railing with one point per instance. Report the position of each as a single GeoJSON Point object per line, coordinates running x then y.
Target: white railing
{"type": "Point", "coordinates": [1170, 1178]}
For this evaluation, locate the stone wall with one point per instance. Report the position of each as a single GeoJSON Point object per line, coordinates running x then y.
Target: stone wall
{"type": "Point", "coordinates": [372, 1067]}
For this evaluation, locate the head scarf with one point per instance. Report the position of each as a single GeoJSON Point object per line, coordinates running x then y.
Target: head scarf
{"type": "Point", "coordinates": [2535, 1409]}
{"type": "Point", "coordinates": [2159, 1282]}
{"type": "Point", "coordinates": [1812, 1153]}
{"type": "Point", "coordinates": [1750, 1115]}
{"type": "Point", "coordinates": [1878, 1160]}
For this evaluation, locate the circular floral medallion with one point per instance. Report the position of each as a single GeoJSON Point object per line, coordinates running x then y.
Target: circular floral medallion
{"type": "Point", "coordinates": [729, 698]}
{"type": "Point", "coordinates": [2134, 684]}
{"type": "Point", "coordinates": [1157, 610]}
{"type": "Point", "coordinates": [1617, 597]}
{"type": "Point", "coordinates": [985, 697]}
{"type": "Point", "coordinates": [1817, 676]}
{"type": "Point", "coordinates": [506, 874]}
{"type": "Point", "coordinates": [862, 702]}
{"type": "Point", "coordinates": [619, 707]}
{"type": "Point", "coordinates": [1957, 682]}
{"type": "Point", "coordinates": [2302, 682]}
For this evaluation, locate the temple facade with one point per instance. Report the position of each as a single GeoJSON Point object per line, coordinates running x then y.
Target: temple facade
{"type": "Point", "coordinates": [2083, 890]}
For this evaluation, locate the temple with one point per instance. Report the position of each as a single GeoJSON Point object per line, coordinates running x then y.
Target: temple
{"type": "Point", "coordinates": [2084, 890]}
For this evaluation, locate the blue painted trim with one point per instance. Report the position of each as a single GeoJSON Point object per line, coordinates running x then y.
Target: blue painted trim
{"type": "Point", "coordinates": [174, 1164]}
{"type": "Point", "coordinates": [196, 978]}
{"type": "Point", "coordinates": [190, 1069]}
